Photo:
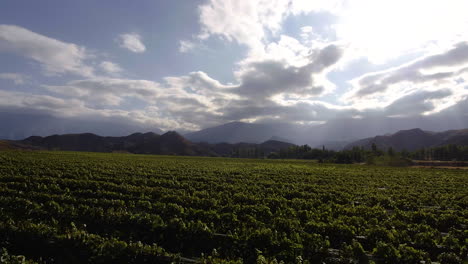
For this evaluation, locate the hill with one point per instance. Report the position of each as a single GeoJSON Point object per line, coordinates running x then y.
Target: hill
{"type": "Point", "coordinates": [246, 149]}
{"type": "Point", "coordinates": [170, 143]}
{"type": "Point", "coordinates": [16, 126]}
{"type": "Point", "coordinates": [12, 145]}
{"type": "Point", "coordinates": [334, 134]}
{"type": "Point", "coordinates": [414, 139]}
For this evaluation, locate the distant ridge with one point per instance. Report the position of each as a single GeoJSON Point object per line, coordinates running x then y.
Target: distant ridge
{"type": "Point", "coordinates": [10, 145]}
{"type": "Point", "coordinates": [233, 132]}
{"type": "Point", "coordinates": [169, 143]}
{"type": "Point", "coordinates": [414, 139]}
{"type": "Point", "coordinates": [172, 143]}
{"type": "Point", "coordinates": [281, 139]}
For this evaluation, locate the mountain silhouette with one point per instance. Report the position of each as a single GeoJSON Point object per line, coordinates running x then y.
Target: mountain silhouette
{"type": "Point", "coordinates": [169, 143]}
{"type": "Point", "coordinates": [414, 139]}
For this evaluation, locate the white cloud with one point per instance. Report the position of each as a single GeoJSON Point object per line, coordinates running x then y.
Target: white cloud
{"type": "Point", "coordinates": [254, 22]}
{"type": "Point", "coordinates": [76, 111]}
{"type": "Point", "coordinates": [378, 30]}
{"type": "Point", "coordinates": [281, 77]}
{"type": "Point", "coordinates": [275, 64]}
{"type": "Point", "coordinates": [186, 46]}
{"type": "Point", "coordinates": [18, 100]}
{"type": "Point", "coordinates": [331, 6]}
{"type": "Point", "coordinates": [433, 72]}
{"type": "Point", "coordinates": [285, 66]}
{"type": "Point", "coordinates": [382, 30]}
{"type": "Point", "coordinates": [56, 57]}
{"type": "Point", "coordinates": [132, 42]}
{"type": "Point", "coordinates": [197, 100]}
{"type": "Point", "coordinates": [107, 91]}
{"type": "Point", "coordinates": [246, 22]}
{"type": "Point", "coordinates": [17, 78]}
{"type": "Point", "coordinates": [110, 67]}
{"type": "Point", "coordinates": [306, 29]}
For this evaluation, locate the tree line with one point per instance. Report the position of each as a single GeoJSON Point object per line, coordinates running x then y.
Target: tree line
{"type": "Point", "coordinates": [358, 154]}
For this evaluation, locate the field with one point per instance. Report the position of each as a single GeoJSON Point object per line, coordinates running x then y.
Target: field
{"type": "Point", "coordinates": [71, 207]}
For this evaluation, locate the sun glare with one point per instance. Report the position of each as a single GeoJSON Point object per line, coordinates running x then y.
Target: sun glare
{"type": "Point", "coordinates": [381, 30]}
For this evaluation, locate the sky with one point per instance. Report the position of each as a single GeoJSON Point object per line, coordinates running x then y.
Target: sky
{"type": "Point", "coordinates": [187, 65]}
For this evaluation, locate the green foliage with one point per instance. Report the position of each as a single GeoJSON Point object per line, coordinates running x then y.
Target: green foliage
{"type": "Point", "coordinates": [447, 153]}
{"type": "Point", "coordinates": [6, 258]}
{"type": "Point", "coordinates": [69, 207]}
{"type": "Point", "coordinates": [389, 160]}
{"type": "Point", "coordinates": [449, 258]}
{"type": "Point", "coordinates": [374, 156]}
{"type": "Point", "coordinates": [409, 254]}
{"type": "Point", "coordinates": [386, 253]}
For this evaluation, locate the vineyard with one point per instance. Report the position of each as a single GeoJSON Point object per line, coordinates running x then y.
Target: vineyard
{"type": "Point", "coordinates": [75, 207]}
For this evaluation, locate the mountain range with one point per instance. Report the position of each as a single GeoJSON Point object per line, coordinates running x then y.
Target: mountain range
{"type": "Point", "coordinates": [235, 132]}
{"type": "Point", "coordinates": [172, 143]}
{"type": "Point", "coordinates": [169, 143]}
{"type": "Point", "coordinates": [335, 134]}
{"type": "Point", "coordinates": [414, 139]}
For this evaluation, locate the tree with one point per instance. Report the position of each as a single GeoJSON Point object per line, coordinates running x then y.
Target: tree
{"type": "Point", "coordinates": [391, 152]}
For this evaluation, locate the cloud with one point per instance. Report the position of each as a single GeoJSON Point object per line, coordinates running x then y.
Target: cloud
{"type": "Point", "coordinates": [107, 91]}
{"type": "Point", "coordinates": [306, 32]}
{"type": "Point", "coordinates": [110, 67]}
{"type": "Point", "coordinates": [197, 100]}
{"type": "Point", "coordinates": [20, 124]}
{"type": "Point", "coordinates": [186, 46]}
{"type": "Point", "coordinates": [275, 65]}
{"type": "Point", "coordinates": [71, 109]}
{"type": "Point", "coordinates": [242, 21]}
{"type": "Point", "coordinates": [458, 110]}
{"type": "Point", "coordinates": [263, 79]}
{"type": "Point", "coordinates": [36, 103]}
{"type": "Point", "coordinates": [254, 23]}
{"type": "Point", "coordinates": [381, 31]}
{"type": "Point", "coordinates": [283, 77]}
{"type": "Point", "coordinates": [17, 78]}
{"type": "Point", "coordinates": [26, 114]}
{"type": "Point", "coordinates": [204, 101]}
{"type": "Point", "coordinates": [56, 57]}
{"type": "Point", "coordinates": [443, 70]}
{"type": "Point", "coordinates": [303, 112]}
{"type": "Point", "coordinates": [132, 42]}
{"type": "Point", "coordinates": [185, 101]}
{"type": "Point", "coordinates": [416, 103]}
{"type": "Point", "coordinates": [306, 29]}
